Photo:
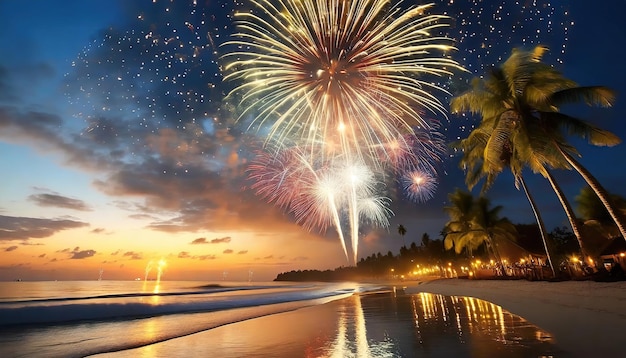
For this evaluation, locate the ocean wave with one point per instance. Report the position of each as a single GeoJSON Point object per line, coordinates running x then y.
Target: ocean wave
{"type": "Point", "coordinates": [118, 307]}
{"type": "Point", "coordinates": [207, 289]}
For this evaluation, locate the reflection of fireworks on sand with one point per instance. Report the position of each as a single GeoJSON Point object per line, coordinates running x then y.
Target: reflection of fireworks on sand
{"type": "Point", "coordinates": [321, 193]}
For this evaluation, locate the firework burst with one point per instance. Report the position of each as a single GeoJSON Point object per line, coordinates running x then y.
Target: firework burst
{"type": "Point", "coordinates": [321, 193]}
{"type": "Point", "coordinates": [348, 69]}
{"type": "Point", "coordinates": [418, 185]}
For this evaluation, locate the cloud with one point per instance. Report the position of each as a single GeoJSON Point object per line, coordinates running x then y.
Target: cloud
{"type": "Point", "coordinates": [184, 255]}
{"type": "Point", "coordinates": [78, 255]}
{"type": "Point", "coordinates": [59, 201]}
{"type": "Point", "coordinates": [133, 255]}
{"type": "Point", "coordinates": [115, 253]}
{"type": "Point", "coordinates": [242, 252]}
{"type": "Point", "coordinates": [10, 248]}
{"type": "Point", "coordinates": [206, 257]}
{"type": "Point", "coordinates": [221, 240]}
{"type": "Point", "coordinates": [180, 190]}
{"type": "Point", "coordinates": [98, 230]}
{"type": "Point", "coordinates": [28, 243]}
{"type": "Point", "coordinates": [143, 217]}
{"type": "Point", "coordinates": [24, 228]}
{"type": "Point", "coordinates": [20, 79]}
{"type": "Point", "coordinates": [45, 132]}
{"type": "Point", "coordinates": [228, 251]}
{"type": "Point", "coordinates": [203, 240]}
{"type": "Point", "coordinates": [42, 256]}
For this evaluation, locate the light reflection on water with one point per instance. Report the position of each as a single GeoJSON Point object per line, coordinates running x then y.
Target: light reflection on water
{"type": "Point", "coordinates": [375, 325]}
{"type": "Point", "coordinates": [428, 325]}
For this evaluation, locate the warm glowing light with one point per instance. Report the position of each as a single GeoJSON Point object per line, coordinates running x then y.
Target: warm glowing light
{"type": "Point", "coordinates": [323, 65]}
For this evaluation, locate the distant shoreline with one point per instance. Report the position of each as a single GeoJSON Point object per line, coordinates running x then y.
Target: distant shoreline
{"type": "Point", "coordinates": [586, 318]}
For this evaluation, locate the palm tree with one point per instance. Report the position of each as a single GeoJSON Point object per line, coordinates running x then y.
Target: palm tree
{"type": "Point", "coordinates": [402, 232]}
{"type": "Point", "coordinates": [425, 239]}
{"type": "Point", "coordinates": [522, 125]}
{"type": "Point", "coordinates": [474, 149]}
{"type": "Point", "coordinates": [473, 223]}
{"type": "Point", "coordinates": [495, 228]}
{"type": "Point", "coordinates": [595, 215]}
{"type": "Point", "coordinates": [457, 230]}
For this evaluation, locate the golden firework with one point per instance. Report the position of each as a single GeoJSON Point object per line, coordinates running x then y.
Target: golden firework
{"type": "Point", "coordinates": [348, 72]}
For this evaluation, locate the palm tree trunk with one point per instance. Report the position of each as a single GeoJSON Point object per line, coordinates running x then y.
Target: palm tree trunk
{"type": "Point", "coordinates": [602, 194]}
{"type": "Point", "coordinates": [542, 227]}
{"type": "Point", "coordinates": [496, 254]}
{"type": "Point", "coordinates": [568, 211]}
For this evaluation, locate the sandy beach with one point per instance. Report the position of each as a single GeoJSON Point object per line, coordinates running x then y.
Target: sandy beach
{"type": "Point", "coordinates": [428, 318]}
{"type": "Point", "coordinates": [586, 318]}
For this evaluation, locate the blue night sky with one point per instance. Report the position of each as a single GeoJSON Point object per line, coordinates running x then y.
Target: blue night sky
{"type": "Point", "coordinates": [115, 152]}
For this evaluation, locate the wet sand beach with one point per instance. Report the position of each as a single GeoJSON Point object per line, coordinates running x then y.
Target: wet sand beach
{"type": "Point", "coordinates": [586, 318]}
{"type": "Point", "coordinates": [391, 323]}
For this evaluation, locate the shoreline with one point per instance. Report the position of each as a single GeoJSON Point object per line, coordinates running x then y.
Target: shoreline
{"type": "Point", "coordinates": [384, 322]}
{"type": "Point", "coordinates": [579, 318]}
{"type": "Point", "coordinates": [586, 318]}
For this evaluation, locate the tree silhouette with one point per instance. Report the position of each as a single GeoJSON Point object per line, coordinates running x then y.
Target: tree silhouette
{"type": "Point", "coordinates": [402, 232]}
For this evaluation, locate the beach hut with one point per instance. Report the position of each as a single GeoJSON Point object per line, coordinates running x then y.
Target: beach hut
{"type": "Point", "coordinates": [520, 261]}
{"type": "Point", "coordinates": [614, 254]}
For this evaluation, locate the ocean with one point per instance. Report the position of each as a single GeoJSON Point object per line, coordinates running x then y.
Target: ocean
{"type": "Point", "coordinates": [119, 319]}
{"type": "Point", "coordinates": [81, 318]}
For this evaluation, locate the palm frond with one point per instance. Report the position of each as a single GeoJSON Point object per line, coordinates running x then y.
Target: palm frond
{"type": "Point", "coordinates": [519, 68]}
{"type": "Point", "coordinates": [583, 129]}
{"type": "Point", "coordinates": [590, 95]}
{"type": "Point", "coordinates": [497, 148]}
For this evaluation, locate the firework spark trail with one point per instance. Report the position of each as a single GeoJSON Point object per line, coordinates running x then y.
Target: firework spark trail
{"type": "Point", "coordinates": [325, 196]}
{"type": "Point", "coordinates": [287, 178]}
{"type": "Point", "coordinates": [319, 193]}
{"type": "Point", "coordinates": [322, 199]}
{"type": "Point", "coordinates": [358, 178]}
{"type": "Point", "coordinates": [354, 188]}
{"type": "Point", "coordinates": [344, 184]}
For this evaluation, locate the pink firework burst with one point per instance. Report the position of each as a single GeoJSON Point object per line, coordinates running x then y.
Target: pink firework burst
{"type": "Point", "coordinates": [418, 185]}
